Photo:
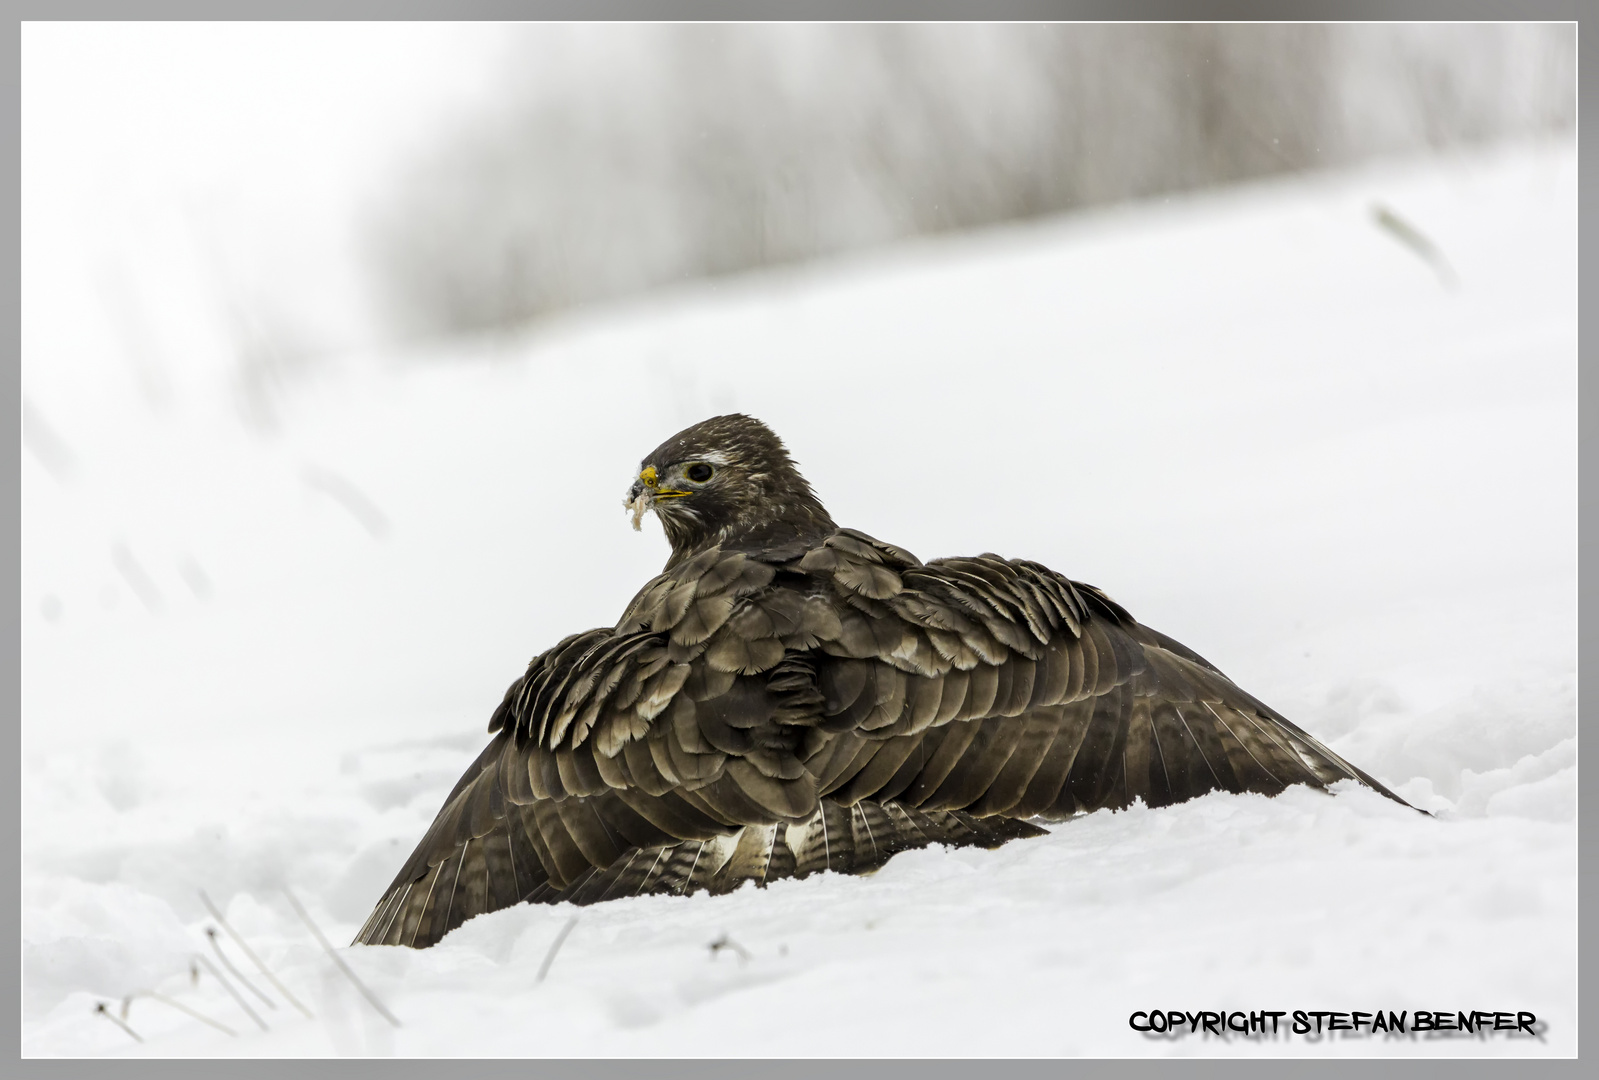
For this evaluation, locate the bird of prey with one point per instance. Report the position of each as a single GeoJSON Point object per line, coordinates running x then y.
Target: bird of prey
{"type": "Point", "coordinates": [789, 696]}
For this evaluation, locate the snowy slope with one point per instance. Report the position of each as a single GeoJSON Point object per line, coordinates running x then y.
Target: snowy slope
{"type": "Point", "coordinates": [1254, 417]}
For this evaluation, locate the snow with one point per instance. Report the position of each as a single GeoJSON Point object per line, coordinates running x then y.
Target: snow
{"type": "Point", "coordinates": [1260, 422]}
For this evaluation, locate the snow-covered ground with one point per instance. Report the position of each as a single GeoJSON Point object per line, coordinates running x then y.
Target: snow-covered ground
{"type": "Point", "coordinates": [1255, 417]}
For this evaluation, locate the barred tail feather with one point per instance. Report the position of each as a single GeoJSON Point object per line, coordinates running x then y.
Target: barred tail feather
{"type": "Point", "coordinates": [844, 839]}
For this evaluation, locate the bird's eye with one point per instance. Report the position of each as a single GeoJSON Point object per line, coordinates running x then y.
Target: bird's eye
{"type": "Point", "coordinates": [699, 472]}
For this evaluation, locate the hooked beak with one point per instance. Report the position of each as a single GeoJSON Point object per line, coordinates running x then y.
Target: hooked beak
{"type": "Point", "coordinates": [644, 492]}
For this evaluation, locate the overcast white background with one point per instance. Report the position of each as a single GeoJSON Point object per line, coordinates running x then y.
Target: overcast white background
{"type": "Point", "coordinates": [257, 654]}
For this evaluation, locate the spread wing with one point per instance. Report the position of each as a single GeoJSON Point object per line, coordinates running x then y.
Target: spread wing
{"type": "Point", "coordinates": [753, 718]}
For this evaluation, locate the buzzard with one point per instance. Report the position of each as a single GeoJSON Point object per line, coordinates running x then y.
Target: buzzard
{"type": "Point", "coordinates": [789, 696]}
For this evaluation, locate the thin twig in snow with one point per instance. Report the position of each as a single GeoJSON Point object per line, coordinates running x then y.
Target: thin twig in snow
{"type": "Point", "coordinates": [216, 947]}
{"type": "Point", "coordinates": [254, 959]}
{"type": "Point", "coordinates": [555, 947]}
{"type": "Point", "coordinates": [234, 994]}
{"type": "Point", "coordinates": [1417, 241]}
{"type": "Point", "coordinates": [354, 501]}
{"type": "Point", "coordinates": [725, 942]}
{"type": "Point", "coordinates": [359, 985]}
{"type": "Point", "coordinates": [180, 1006]}
{"type": "Point", "coordinates": [105, 1012]}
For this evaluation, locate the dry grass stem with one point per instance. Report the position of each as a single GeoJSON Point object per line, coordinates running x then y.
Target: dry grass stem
{"type": "Point", "coordinates": [180, 1006]}
{"type": "Point", "coordinates": [100, 1009]}
{"type": "Point", "coordinates": [254, 959]}
{"type": "Point", "coordinates": [216, 947]}
{"type": "Point", "coordinates": [555, 947]}
{"type": "Point", "coordinates": [371, 998]}
{"type": "Point", "coordinates": [234, 994]}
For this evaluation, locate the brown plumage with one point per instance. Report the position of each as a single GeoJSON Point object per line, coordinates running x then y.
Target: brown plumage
{"type": "Point", "coordinates": [789, 696]}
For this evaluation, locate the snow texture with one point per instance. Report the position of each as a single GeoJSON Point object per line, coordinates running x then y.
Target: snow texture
{"type": "Point", "coordinates": [1256, 417]}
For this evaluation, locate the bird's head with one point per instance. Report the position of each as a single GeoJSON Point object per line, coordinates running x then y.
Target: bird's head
{"type": "Point", "coordinates": [727, 480]}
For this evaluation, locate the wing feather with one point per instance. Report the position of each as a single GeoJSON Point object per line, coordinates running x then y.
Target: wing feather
{"type": "Point", "coordinates": [774, 714]}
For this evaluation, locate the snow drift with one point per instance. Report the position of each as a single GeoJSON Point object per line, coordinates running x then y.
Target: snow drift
{"type": "Point", "coordinates": [1257, 418]}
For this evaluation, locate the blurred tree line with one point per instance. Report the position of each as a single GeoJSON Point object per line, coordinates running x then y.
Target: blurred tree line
{"type": "Point", "coordinates": [621, 158]}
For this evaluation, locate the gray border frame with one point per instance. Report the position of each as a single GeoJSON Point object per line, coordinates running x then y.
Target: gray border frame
{"type": "Point", "coordinates": [11, 686]}
{"type": "Point", "coordinates": [828, 10]}
{"type": "Point", "coordinates": [818, 10]}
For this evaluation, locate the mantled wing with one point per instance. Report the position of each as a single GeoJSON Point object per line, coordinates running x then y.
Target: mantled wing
{"type": "Point", "coordinates": [672, 727]}
{"type": "Point", "coordinates": [1002, 688]}
{"type": "Point", "coordinates": [754, 719]}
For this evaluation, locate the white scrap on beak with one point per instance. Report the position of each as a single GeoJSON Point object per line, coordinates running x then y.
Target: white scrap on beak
{"type": "Point", "coordinates": [638, 499]}
{"type": "Point", "coordinates": [638, 506]}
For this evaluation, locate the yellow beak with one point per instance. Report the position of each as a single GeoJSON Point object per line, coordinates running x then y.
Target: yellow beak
{"type": "Point", "coordinates": [645, 491]}
{"type": "Point", "coordinates": [652, 481]}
